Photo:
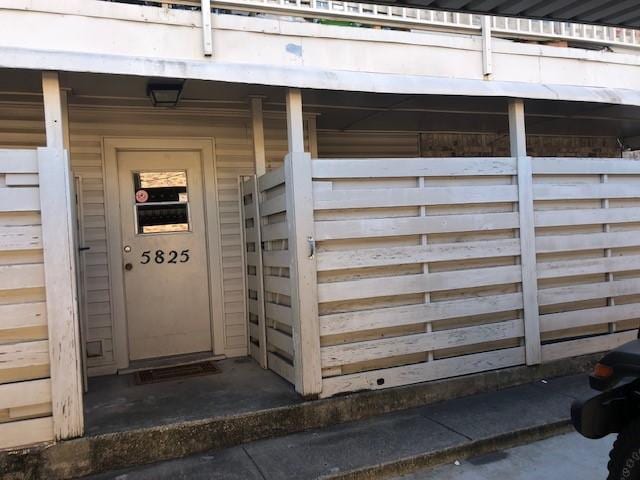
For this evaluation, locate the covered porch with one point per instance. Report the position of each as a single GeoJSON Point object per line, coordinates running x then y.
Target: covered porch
{"type": "Point", "coordinates": [353, 241]}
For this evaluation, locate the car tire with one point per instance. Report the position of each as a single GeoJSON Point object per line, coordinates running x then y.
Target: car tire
{"type": "Point", "coordinates": [624, 458]}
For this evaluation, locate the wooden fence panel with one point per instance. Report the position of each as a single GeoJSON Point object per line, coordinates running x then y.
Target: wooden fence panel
{"type": "Point", "coordinates": [276, 282]}
{"type": "Point", "coordinates": [587, 218]}
{"type": "Point", "coordinates": [25, 385]}
{"type": "Point", "coordinates": [253, 270]}
{"type": "Point", "coordinates": [419, 273]}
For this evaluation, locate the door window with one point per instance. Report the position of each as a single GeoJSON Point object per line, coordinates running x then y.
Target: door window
{"type": "Point", "coordinates": [162, 201]}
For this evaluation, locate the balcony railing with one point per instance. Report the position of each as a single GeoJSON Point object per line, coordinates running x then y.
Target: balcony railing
{"type": "Point", "coordinates": [420, 19]}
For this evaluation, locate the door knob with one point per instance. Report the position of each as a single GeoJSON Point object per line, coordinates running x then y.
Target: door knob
{"type": "Point", "coordinates": [128, 266]}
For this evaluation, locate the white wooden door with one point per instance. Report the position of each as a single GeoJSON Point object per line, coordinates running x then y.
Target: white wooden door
{"type": "Point", "coordinates": [164, 253]}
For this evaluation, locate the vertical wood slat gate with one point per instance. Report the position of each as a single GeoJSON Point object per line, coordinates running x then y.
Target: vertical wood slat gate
{"type": "Point", "coordinates": [536, 269]}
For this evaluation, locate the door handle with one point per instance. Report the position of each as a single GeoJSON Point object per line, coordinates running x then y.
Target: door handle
{"type": "Point", "coordinates": [128, 266]}
{"type": "Point", "coordinates": [83, 249]}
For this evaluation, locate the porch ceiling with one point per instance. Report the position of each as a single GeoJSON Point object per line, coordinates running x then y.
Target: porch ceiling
{"type": "Point", "coordinates": [348, 111]}
{"type": "Point", "coordinates": [602, 12]}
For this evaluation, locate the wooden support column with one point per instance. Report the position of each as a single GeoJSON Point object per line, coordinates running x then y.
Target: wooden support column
{"type": "Point", "coordinates": [302, 265]}
{"type": "Point", "coordinates": [207, 38]}
{"type": "Point", "coordinates": [487, 48]}
{"type": "Point", "coordinates": [518, 142]}
{"type": "Point", "coordinates": [59, 266]}
{"type": "Point", "coordinates": [295, 124]}
{"type": "Point", "coordinates": [257, 123]}
{"type": "Point", "coordinates": [303, 274]}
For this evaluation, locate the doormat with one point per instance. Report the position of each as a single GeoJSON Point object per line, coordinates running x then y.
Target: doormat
{"type": "Point", "coordinates": [155, 375]}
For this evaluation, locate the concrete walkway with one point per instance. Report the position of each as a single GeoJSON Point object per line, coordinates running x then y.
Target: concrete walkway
{"type": "Point", "coordinates": [563, 457]}
{"type": "Point", "coordinates": [389, 444]}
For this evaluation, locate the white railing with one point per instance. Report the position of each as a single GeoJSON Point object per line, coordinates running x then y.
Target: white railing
{"type": "Point", "coordinates": [414, 18]}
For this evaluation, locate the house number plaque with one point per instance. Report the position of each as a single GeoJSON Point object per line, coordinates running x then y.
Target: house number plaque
{"type": "Point", "coordinates": [160, 256]}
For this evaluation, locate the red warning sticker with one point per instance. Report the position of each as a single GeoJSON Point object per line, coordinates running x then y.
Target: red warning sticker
{"type": "Point", "coordinates": [142, 196]}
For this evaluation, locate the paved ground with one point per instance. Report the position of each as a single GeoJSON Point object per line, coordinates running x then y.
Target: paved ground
{"type": "Point", "coordinates": [563, 457]}
{"type": "Point", "coordinates": [114, 403]}
{"type": "Point", "coordinates": [385, 439]}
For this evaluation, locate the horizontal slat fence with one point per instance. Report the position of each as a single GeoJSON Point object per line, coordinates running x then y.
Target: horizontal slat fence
{"type": "Point", "coordinates": [25, 385]}
{"type": "Point", "coordinates": [587, 218]}
{"type": "Point", "coordinates": [419, 275]}
{"type": "Point", "coordinates": [419, 265]}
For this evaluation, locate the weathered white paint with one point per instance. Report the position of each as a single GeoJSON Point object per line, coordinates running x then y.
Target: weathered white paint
{"type": "Point", "coordinates": [527, 234]}
{"type": "Point", "coordinates": [295, 54]}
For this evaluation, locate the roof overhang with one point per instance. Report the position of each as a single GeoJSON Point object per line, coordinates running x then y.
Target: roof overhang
{"type": "Point", "coordinates": [601, 12]}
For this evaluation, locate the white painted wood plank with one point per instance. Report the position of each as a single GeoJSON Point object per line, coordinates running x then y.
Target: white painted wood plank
{"type": "Point", "coordinates": [22, 357]}
{"type": "Point", "coordinates": [384, 227]}
{"type": "Point", "coordinates": [271, 179]}
{"type": "Point", "coordinates": [371, 257]}
{"type": "Point", "coordinates": [303, 270]}
{"type": "Point", "coordinates": [280, 341]}
{"type": "Point", "coordinates": [13, 199]}
{"type": "Point", "coordinates": [26, 432]}
{"type": "Point", "coordinates": [21, 179]}
{"type": "Point", "coordinates": [20, 394]}
{"type": "Point", "coordinates": [276, 258]}
{"type": "Point", "coordinates": [295, 122]}
{"type": "Point", "coordinates": [587, 317]}
{"type": "Point", "coordinates": [23, 315]}
{"type": "Point", "coordinates": [398, 197]}
{"type": "Point", "coordinates": [275, 231]}
{"type": "Point", "coordinates": [584, 346]}
{"type": "Point", "coordinates": [60, 278]}
{"type": "Point", "coordinates": [584, 166]}
{"type": "Point", "coordinates": [518, 147]}
{"type": "Point", "coordinates": [588, 266]}
{"type": "Point", "coordinates": [20, 237]}
{"type": "Point", "coordinates": [589, 291]}
{"type": "Point", "coordinates": [595, 216]}
{"type": "Point", "coordinates": [281, 367]}
{"type": "Point", "coordinates": [412, 167]}
{"type": "Point", "coordinates": [207, 40]}
{"type": "Point", "coordinates": [13, 277]}
{"type": "Point", "coordinates": [281, 285]}
{"type": "Point", "coordinates": [585, 241]}
{"type": "Point", "coordinates": [426, 282]}
{"type": "Point", "coordinates": [585, 191]}
{"type": "Point", "coordinates": [257, 130]}
{"type": "Point", "coordinates": [348, 322]}
{"type": "Point", "coordinates": [336, 355]}
{"type": "Point", "coordinates": [280, 313]}
{"type": "Point", "coordinates": [273, 205]}
{"type": "Point", "coordinates": [423, 372]}
{"type": "Point", "coordinates": [18, 161]}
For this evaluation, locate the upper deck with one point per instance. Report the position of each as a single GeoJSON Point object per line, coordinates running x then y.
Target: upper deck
{"type": "Point", "coordinates": [284, 43]}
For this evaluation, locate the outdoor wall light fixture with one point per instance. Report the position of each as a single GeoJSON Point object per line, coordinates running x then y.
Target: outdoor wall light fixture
{"type": "Point", "coordinates": [164, 94]}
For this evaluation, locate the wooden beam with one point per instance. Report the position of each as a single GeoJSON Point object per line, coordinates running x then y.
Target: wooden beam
{"type": "Point", "coordinates": [487, 48]}
{"type": "Point", "coordinates": [295, 125]}
{"type": "Point", "coordinates": [303, 270]}
{"type": "Point", "coordinates": [60, 279]}
{"type": "Point", "coordinates": [207, 40]}
{"type": "Point", "coordinates": [518, 143]}
{"type": "Point", "coordinates": [257, 123]}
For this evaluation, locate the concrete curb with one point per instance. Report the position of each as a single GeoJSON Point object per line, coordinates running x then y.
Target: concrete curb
{"type": "Point", "coordinates": [459, 452]}
{"type": "Point", "coordinates": [113, 451]}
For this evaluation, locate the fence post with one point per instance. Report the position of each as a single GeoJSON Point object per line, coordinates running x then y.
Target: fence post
{"type": "Point", "coordinates": [62, 311]}
{"type": "Point", "coordinates": [518, 142]}
{"type": "Point", "coordinates": [303, 274]}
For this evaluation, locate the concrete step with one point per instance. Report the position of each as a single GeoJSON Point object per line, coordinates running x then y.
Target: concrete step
{"type": "Point", "coordinates": [127, 448]}
{"type": "Point", "coordinates": [390, 444]}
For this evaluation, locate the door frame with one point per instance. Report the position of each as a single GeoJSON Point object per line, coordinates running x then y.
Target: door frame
{"type": "Point", "coordinates": [206, 146]}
